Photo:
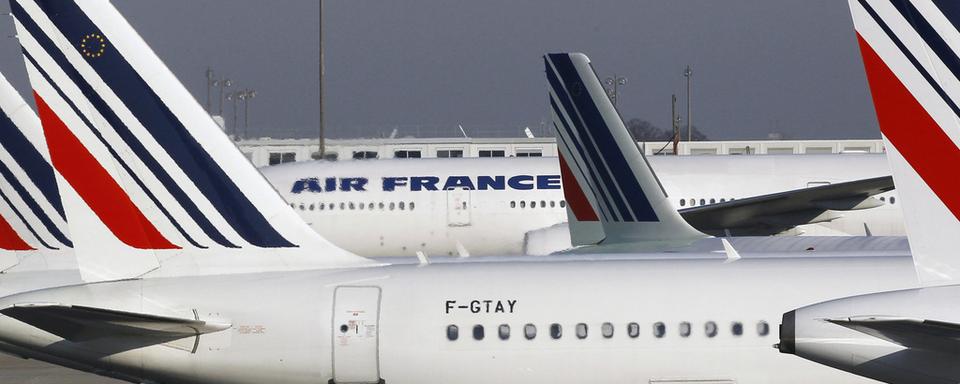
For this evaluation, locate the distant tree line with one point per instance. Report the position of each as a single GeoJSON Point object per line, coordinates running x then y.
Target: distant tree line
{"type": "Point", "coordinates": [643, 130]}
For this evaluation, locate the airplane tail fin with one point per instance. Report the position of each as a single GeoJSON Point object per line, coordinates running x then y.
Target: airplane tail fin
{"type": "Point", "coordinates": [32, 221]}
{"type": "Point", "coordinates": [911, 53]}
{"type": "Point", "coordinates": [150, 183]}
{"type": "Point", "coordinates": [606, 179]}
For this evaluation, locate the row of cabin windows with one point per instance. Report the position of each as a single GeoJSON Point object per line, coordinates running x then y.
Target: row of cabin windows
{"type": "Point", "coordinates": [607, 330]}
{"type": "Point", "coordinates": [351, 206]}
{"type": "Point", "coordinates": [693, 202]}
{"type": "Point", "coordinates": [543, 204]}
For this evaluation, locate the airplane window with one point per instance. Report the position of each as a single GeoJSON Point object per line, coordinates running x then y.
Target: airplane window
{"type": "Point", "coordinates": [478, 332]}
{"type": "Point", "coordinates": [710, 328]}
{"type": "Point", "coordinates": [331, 206]}
{"type": "Point", "coordinates": [722, 200]}
{"type": "Point", "coordinates": [543, 204]}
{"type": "Point", "coordinates": [737, 328]}
{"type": "Point", "coordinates": [563, 203]}
{"type": "Point", "coordinates": [343, 206]}
{"type": "Point", "coordinates": [763, 328]}
{"type": "Point", "coordinates": [533, 204]}
{"type": "Point", "coordinates": [293, 205]}
{"type": "Point", "coordinates": [453, 333]}
{"type": "Point", "coordinates": [553, 204]}
{"type": "Point", "coordinates": [893, 200]}
{"type": "Point", "coordinates": [684, 329]}
{"type": "Point", "coordinates": [311, 207]}
{"type": "Point", "coordinates": [301, 206]}
{"type": "Point", "coordinates": [606, 330]}
{"type": "Point", "coordinates": [882, 198]}
{"type": "Point", "coordinates": [370, 206]}
{"type": "Point", "coordinates": [581, 331]}
{"type": "Point", "coordinates": [693, 202]}
{"type": "Point", "coordinates": [392, 206]}
{"type": "Point", "coordinates": [360, 205]}
{"type": "Point", "coordinates": [556, 331]}
{"type": "Point", "coordinates": [659, 330]}
{"type": "Point", "coordinates": [403, 205]}
{"type": "Point", "coordinates": [380, 205]}
{"type": "Point", "coordinates": [513, 204]}
{"type": "Point", "coordinates": [411, 205]}
{"type": "Point", "coordinates": [523, 204]}
{"type": "Point", "coordinates": [703, 202]}
{"type": "Point", "coordinates": [464, 205]}
{"type": "Point", "coordinates": [530, 331]}
{"type": "Point", "coordinates": [351, 206]}
{"type": "Point", "coordinates": [713, 201]}
{"type": "Point", "coordinates": [683, 202]}
{"type": "Point", "coordinates": [321, 206]}
{"type": "Point", "coordinates": [504, 331]}
{"type": "Point", "coordinates": [633, 330]}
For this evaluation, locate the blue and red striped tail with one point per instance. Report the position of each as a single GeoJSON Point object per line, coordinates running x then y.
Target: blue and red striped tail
{"type": "Point", "coordinates": [32, 219]}
{"type": "Point", "coordinates": [911, 53]}
{"type": "Point", "coordinates": [613, 195]}
{"type": "Point", "coordinates": [146, 169]}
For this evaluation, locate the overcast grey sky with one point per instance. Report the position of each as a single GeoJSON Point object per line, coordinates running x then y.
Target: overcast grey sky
{"type": "Point", "coordinates": [759, 66]}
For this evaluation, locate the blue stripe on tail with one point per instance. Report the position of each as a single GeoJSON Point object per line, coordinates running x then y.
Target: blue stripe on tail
{"type": "Point", "coordinates": [34, 207]}
{"type": "Point", "coordinates": [31, 161]}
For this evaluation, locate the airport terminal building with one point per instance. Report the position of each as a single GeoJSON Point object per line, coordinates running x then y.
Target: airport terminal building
{"type": "Point", "coordinates": [268, 151]}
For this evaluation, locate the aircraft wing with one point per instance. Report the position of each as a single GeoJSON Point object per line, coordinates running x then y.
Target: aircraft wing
{"type": "Point", "coordinates": [777, 212]}
{"type": "Point", "coordinates": [79, 323]}
{"type": "Point", "coordinates": [938, 336]}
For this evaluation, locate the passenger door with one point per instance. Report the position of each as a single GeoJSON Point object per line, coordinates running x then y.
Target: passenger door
{"type": "Point", "coordinates": [356, 334]}
{"type": "Point", "coordinates": [458, 207]}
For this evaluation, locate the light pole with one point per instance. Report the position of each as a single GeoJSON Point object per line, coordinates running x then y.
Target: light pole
{"type": "Point", "coordinates": [675, 124]}
{"type": "Point", "coordinates": [222, 83]}
{"type": "Point", "coordinates": [688, 73]}
{"type": "Point", "coordinates": [245, 96]}
{"type": "Point", "coordinates": [210, 82]}
{"type": "Point", "coordinates": [234, 97]}
{"type": "Point", "coordinates": [322, 147]}
{"type": "Point", "coordinates": [613, 87]}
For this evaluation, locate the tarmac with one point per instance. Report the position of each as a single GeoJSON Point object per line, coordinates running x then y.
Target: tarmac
{"type": "Point", "coordinates": [14, 370]}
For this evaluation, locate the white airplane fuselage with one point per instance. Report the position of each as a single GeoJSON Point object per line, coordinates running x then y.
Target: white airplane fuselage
{"type": "Point", "coordinates": [495, 216]}
{"type": "Point", "coordinates": [392, 322]}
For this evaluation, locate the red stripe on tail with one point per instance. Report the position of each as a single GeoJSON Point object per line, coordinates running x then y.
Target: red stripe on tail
{"type": "Point", "coordinates": [575, 198]}
{"type": "Point", "coordinates": [912, 131]}
{"type": "Point", "coordinates": [10, 240]}
{"type": "Point", "coordinates": [95, 185]}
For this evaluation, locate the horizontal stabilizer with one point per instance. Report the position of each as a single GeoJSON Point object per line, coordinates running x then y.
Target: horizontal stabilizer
{"type": "Point", "coordinates": [776, 212]}
{"type": "Point", "coordinates": [938, 336]}
{"type": "Point", "coordinates": [79, 323]}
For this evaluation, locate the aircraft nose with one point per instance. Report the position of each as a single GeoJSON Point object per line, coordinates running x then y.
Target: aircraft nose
{"type": "Point", "coordinates": [788, 333]}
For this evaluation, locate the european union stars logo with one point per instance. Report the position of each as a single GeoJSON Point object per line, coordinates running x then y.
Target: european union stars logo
{"type": "Point", "coordinates": [93, 45]}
